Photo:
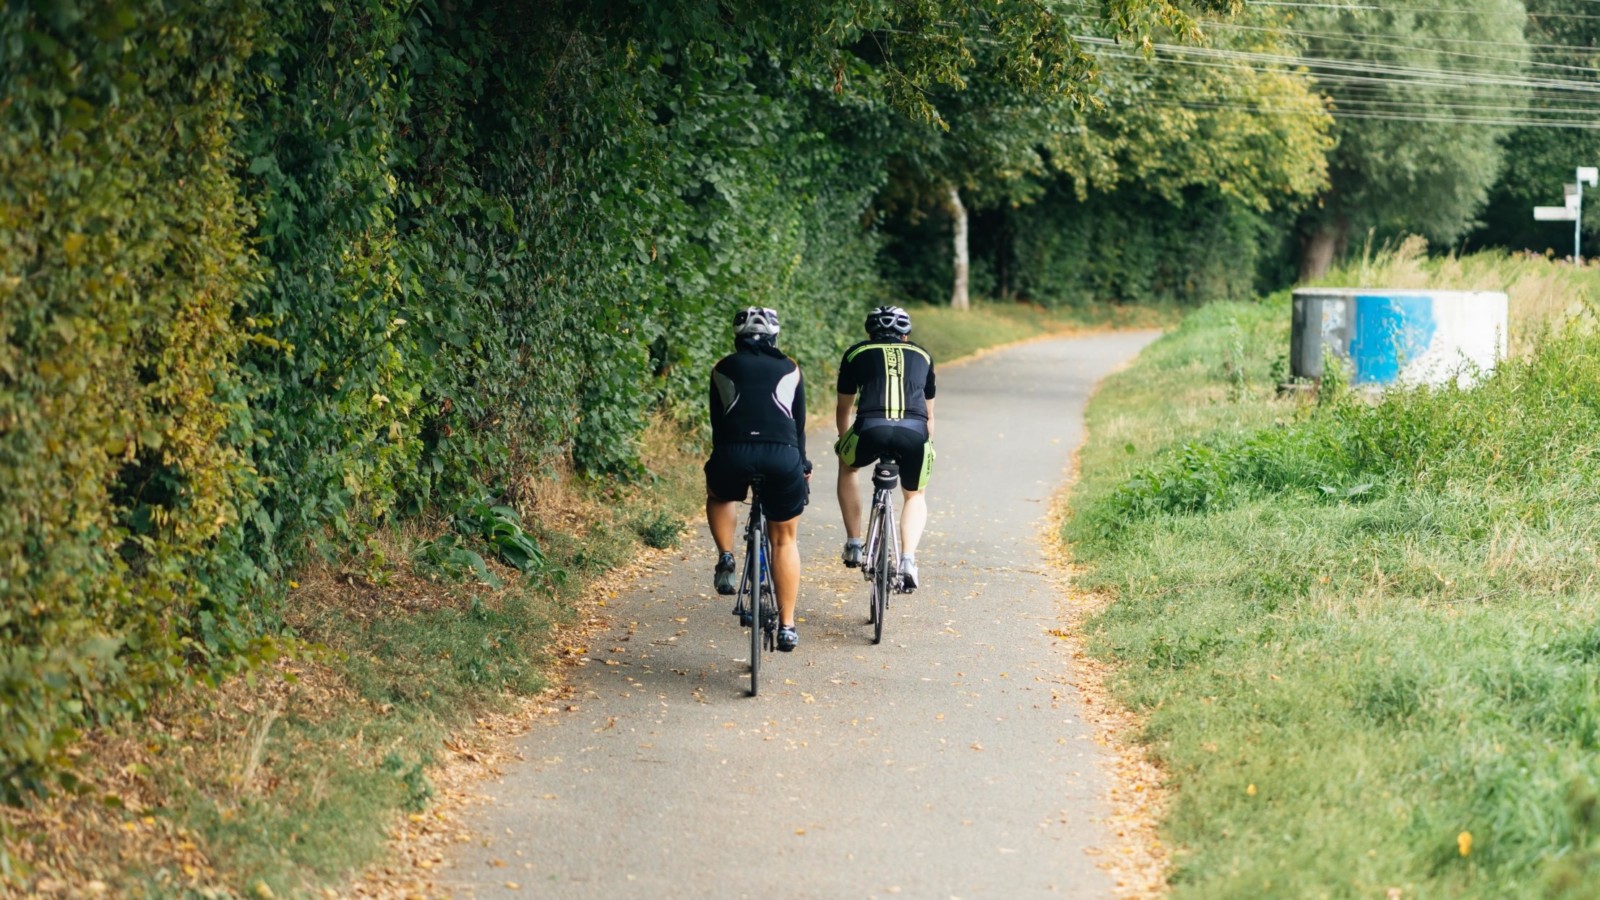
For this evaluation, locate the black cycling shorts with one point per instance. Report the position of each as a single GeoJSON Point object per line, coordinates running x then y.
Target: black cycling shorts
{"type": "Point", "coordinates": [784, 490]}
{"type": "Point", "coordinates": [907, 445]}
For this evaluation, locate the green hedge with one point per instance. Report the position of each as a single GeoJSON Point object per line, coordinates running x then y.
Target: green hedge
{"type": "Point", "coordinates": [1132, 247]}
{"type": "Point", "coordinates": [123, 436]}
{"type": "Point", "coordinates": [275, 274]}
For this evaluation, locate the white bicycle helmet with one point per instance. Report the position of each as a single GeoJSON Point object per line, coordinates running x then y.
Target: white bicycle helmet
{"type": "Point", "coordinates": [756, 321]}
{"type": "Point", "coordinates": [888, 320]}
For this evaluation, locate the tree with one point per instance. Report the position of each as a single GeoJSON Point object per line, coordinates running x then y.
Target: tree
{"type": "Point", "coordinates": [1252, 131]}
{"type": "Point", "coordinates": [1408, 82]}
{"type": "Point", "coordinates": [973, 85]}
{"type": "Point", "coordinates": [995, 81]}
{"type": "Point", "coordinates": [1174, 181]}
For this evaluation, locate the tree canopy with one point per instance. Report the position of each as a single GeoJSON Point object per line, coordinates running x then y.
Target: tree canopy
{"type": "Point", "coordinates": [1405, 159]}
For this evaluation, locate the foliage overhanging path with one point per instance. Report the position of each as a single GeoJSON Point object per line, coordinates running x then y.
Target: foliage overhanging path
{"type": "Point", "coordinates": [951, 760]}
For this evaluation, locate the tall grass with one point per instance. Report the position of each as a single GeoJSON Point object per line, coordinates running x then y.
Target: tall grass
{"type": "Point", "coordinates": [950, 334]}
{"type": "Point", "coordinates": [1364, 634]}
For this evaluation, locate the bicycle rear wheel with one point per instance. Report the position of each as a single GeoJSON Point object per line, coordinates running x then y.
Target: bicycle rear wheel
{"type": "Point", "coordinates": [880, 567]}
{"type": "Point", "coordinates": [750, 588]}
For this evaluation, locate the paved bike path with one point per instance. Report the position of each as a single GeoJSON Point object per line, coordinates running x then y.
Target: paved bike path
{"type": "Point", "coordinates": [949, 761]}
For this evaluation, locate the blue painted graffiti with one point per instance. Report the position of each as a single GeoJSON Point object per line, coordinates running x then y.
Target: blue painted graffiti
{"type": "Point", "coordinates": [1389, 332]}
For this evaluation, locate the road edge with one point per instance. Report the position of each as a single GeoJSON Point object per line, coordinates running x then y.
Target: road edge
{"type": "Point", "coordinates": [1135, 857]}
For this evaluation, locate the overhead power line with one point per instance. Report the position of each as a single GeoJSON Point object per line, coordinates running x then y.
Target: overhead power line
{"type": "Point", "coordinates": [1404, 9]}
{"type": "Point", "coordinates": [1379, 102]}
{"type": "Point", "coordinates": [1588, 125]}
{"type": "Point", "coordinates": [1566, 49]}
{"type": "Point", "coordinates": [1456, 54]}
{"type": "Point", "coordinates": [1397, 108]}
{"type": "Point", "coordinates": [1556, 50]}
{"type": "Point", "coordinates": [1363, 66]}
{"type": "Point", "coordinates": [1325, 78]}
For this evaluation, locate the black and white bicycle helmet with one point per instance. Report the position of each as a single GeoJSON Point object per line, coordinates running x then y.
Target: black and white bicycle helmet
{"type": "Point", "coordinates": [888, 321]}
{"type": "Point", "coordinates": [756, 321]}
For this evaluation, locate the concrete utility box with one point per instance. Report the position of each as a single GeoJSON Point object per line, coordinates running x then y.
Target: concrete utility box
{"type": "Point", "coordinates": [1399, 336]}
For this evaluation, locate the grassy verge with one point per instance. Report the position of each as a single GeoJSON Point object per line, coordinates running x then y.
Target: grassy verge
{"type": "Point", "coordinates": [1362, 632]}
{"type": "Point", "coordinates": [951, 334]}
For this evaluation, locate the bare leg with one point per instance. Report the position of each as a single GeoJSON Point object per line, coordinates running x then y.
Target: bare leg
{"type": "Point", "coordinates": [785, 566]}
{"type": "Point", "coordinates": [722, 517]}
{"type": "Point", "coordinates": [850, 501]}
{"type": "Point", "coordinates": [913, 518]}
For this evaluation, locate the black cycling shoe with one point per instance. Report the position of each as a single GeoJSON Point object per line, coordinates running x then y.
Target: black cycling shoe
{"type": "Point", "coordinates": [788, 638]}
{"type": "Point", "coordinates": [723, 578]}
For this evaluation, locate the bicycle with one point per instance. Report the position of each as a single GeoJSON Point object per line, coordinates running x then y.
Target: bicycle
{"type": "Point", "coordinates": [756, 586]}
{"type": "Point", "coordinates": [880, 559]}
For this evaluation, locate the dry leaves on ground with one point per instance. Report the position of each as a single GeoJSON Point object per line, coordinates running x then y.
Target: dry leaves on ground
{"type": "Point", "coordinates": [1137, 859]}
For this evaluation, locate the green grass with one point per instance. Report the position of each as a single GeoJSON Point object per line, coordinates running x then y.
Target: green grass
{"type": "Point", "coordinates": [1360, 629]}
{"type": "Point", "coordinates": [952, 334]}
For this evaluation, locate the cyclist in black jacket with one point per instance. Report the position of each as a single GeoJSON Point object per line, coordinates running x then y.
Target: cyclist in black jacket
{"type": "Point", "coordinates": [758, 427]}
{"type": "Point", "coordinates": [887, 381]}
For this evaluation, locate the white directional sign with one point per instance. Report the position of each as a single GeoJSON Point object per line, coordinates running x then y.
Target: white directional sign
{"type": "Point", "coordinates": [1555, 214]}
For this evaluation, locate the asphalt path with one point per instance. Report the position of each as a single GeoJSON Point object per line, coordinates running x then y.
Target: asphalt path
{"type": "Point", "coordinates": [949, 761]}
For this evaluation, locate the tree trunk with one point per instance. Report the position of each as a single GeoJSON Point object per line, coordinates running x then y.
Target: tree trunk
{"type": "Point", "coordinates": [958, 212]}
{"type": "Point", "coordinates": [1318, 249]}
{"type": "Point", "coordinates": [1002, 261]}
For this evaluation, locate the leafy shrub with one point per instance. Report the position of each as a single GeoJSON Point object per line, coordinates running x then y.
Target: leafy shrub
{"type": "Point", "coordinates": [659, 529]}
{"type": "Point", "coordinates": [500, 528]}
{"type": "Point", "coordinates": [447, 556]}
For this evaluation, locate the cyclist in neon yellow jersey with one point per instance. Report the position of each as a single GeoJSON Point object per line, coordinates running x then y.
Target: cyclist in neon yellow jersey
{"type": "Point", "coordinates": [887, 382]}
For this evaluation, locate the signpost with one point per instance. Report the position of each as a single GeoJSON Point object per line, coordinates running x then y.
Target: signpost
{"type": "Point", "coordinates": [1572, 210]}
{"type": "Point", "coordinates": [1591, 176]}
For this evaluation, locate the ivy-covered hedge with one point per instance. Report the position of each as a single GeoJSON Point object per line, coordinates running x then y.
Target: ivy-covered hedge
{"type": "Point", "coordinates": [273, 274]}
{"type": "Point", "coordinates": [124, 435]}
